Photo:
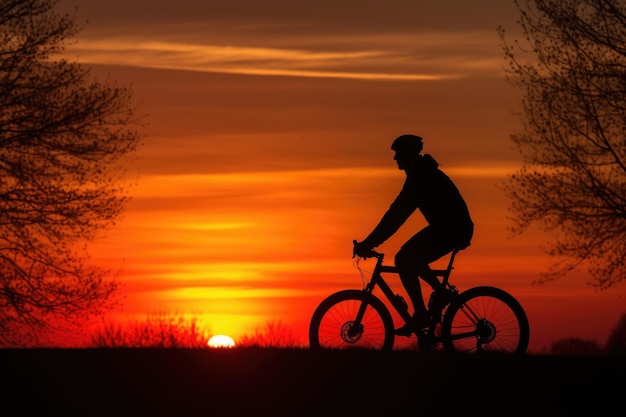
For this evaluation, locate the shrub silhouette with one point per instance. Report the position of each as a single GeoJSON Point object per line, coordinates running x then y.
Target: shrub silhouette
{"type": "Point", "coordinates": [575, 346]}
{"type": "Point", "coordinates": [616, 342]}
{"type": "Point", "coordinates": [159, 330]}
{"type": "Point", "coordinates": [274, 334]}
{"type": "Point", "coordinates": [173, 330]}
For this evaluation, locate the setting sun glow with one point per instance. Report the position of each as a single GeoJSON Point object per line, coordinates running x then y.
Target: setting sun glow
{"type": "Point", "coordinates": [221, 341]}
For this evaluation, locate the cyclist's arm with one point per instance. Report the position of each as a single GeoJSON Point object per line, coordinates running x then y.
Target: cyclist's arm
{"type": "Point", "coordinates": [399, 211]}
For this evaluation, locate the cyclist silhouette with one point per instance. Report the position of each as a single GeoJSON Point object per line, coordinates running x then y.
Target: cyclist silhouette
{"type": "Point", "coordinates": [450, 226]}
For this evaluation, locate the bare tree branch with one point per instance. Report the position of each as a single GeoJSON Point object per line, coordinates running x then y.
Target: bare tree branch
{"type": "Point", "coordinates": [64, 137]}
{"type": "Point", "coordinates": [572, 68]}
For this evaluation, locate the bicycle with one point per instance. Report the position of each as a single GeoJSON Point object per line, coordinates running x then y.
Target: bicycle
{"type": "Point", "coordinates": [480, 319]}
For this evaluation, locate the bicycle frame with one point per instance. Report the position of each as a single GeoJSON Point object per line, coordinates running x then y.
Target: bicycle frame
{"type": "Point", "coordinates": [396, 300]}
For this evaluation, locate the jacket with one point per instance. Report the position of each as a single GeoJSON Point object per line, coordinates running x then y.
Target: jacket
{"type": "Point", "coordinates": [430, 190]}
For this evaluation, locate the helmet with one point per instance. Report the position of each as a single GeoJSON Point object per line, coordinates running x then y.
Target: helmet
{"type": "Point", "coordinates": [410, 143]}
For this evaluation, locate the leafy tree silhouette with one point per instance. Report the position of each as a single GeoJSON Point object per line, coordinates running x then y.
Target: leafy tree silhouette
{"type": "Point", "coordinates": [616, 342]}
{"type": "Point", "coordinates": [64, 137]}
{"type": "Point", "coordinates": [575, 346]}
{"type": "Point", "coordinates": [572, 67]}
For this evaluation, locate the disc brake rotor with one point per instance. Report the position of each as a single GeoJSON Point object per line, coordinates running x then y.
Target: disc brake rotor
{"type": "Point", "coordinates": [350, 332]}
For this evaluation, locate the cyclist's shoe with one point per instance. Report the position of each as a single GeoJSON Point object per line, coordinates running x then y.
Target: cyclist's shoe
{"type": "Point", "coordinates": [440, 298]}
{"type": "Point", "coordinates": [414, 326]}
{"type": "Point", "coordinates": [407, 330]}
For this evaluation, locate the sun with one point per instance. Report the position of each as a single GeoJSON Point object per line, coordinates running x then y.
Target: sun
{"type": "Point", "coordinates": [221, 341]}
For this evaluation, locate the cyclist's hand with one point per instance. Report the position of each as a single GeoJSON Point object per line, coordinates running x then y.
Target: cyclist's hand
{"type": "Point", "coordinates": [362, 249]}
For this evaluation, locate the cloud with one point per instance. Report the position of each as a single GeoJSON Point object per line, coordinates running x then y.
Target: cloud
{"type": "Point", "coordinates": [403, 57]}
{"type": "Point", "coordinates": [362, 40]}
{"type": "Point", "coordinates": [216, 185]}
{"type": "Point", "coordinates": [236, 60]}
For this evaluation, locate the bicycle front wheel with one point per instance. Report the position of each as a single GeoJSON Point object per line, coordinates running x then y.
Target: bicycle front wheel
{"type": "Point", "coordinates": [334, 323]}
{"type": "Point", "coordinates": [485, 319]}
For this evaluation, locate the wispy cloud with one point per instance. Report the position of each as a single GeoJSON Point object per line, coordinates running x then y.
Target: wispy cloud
{"type": "Point", "coordinates": [430, 57]}
{"type": "Point", "coordinates": [177, 186]}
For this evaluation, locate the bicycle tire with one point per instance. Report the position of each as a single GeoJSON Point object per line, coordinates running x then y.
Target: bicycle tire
{"type": "Point", "coordinates": [485, 319]}
{"type": "Point", "coordinates": [332, 322]}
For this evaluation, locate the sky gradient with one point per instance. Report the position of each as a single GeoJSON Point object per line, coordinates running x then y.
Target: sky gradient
{"type": "Point", "coordinates": [266, 153]}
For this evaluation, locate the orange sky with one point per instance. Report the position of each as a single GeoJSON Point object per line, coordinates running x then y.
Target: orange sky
{"type": "Point", "coordinates": [267, 152]}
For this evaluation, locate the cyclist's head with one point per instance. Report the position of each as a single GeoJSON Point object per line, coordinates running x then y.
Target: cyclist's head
{"type": "Point", "coordinates": [407, 150]}
{"type": "Point", "coordinates": [408, 144]}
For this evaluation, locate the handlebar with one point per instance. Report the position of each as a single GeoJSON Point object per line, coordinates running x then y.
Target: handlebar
{"type": "Point", "coordinates": [369, 254]}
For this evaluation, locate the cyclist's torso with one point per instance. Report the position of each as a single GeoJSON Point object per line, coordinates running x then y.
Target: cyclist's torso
{"type": "Point", "coordinates": [430, 190]}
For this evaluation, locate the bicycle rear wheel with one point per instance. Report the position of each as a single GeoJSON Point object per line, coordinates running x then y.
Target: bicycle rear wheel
{"type": "Point", "coordinates": [485, 319]}
{"type": "Point", "coordinates": [333, 325]}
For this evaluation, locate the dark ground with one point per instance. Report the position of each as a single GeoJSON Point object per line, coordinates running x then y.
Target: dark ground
{"type": "Point", "coordinates": [300, 382]}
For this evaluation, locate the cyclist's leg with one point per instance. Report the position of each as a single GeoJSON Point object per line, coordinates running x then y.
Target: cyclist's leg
{"type": "Point", "coordinates": [412, 261]}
